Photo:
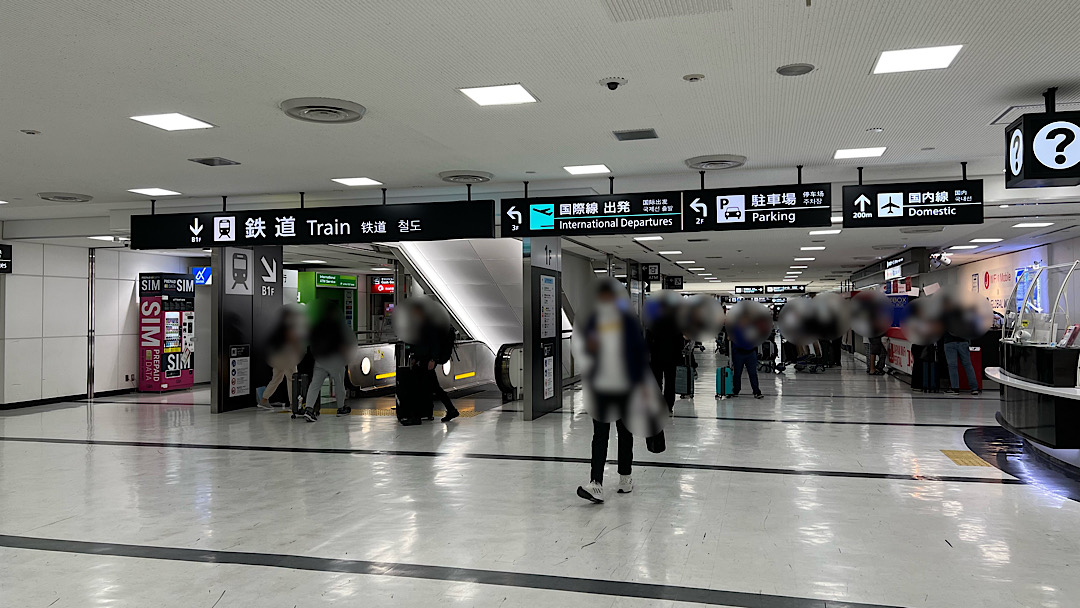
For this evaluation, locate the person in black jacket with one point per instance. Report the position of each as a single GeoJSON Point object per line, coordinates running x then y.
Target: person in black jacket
{"type": "Point", "coordinates": [433, 334]}
{"type": "Point", "coordinates": [665, 343]}
{"type": "Point", "coordinates": [331, 345]}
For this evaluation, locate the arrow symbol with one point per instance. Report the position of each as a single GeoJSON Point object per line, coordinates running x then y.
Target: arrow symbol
{"type": "Point", "coordinates": [195, 227]}
{"type": "Point", "coordinates": [271, 270]}
{"type": "Point", "coordinates": [514, 214]}
{"type": "Point", "coordinates": [862, 202]}
{"type": "Point", "coordinates": [700, 207]}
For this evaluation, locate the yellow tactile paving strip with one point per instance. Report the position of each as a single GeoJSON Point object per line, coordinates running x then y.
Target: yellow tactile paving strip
{"type": "Point", "coordinates": [965, 458]}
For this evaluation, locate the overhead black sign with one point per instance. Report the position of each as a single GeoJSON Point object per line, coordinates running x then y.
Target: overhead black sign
{"type": "Point", "coordinates": [785, 289]}
{"type": "Point", "coordinates": [1043, 150]}
{"type": "Point", "coordinates": [749, 290]}
{"type": "Point", "coordinates": [652, 271]}
{"type": "Point", "coordinates": [584, 215]}
{"type": "Point", "coordinates": [761, 207]}
{"type": "Point", "coordinates": [673, 282]}
{"type": "Point", "coordinates": [913, 204]}
{"type": "Point", "coordinates": [5, 259]}
{"type": "Point", "coordinates": [323, 225]}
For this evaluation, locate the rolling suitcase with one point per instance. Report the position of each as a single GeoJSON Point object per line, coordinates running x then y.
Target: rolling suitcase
{"type": "Point", "coordinates": [414, 402]}
{"type": "Point", "coordinates": [684, 381]}
{"type": "Point", "coordinates": [725, 382]}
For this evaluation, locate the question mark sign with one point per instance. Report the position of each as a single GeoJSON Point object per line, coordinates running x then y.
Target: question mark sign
{"type": "Point", "coordinates": [1067, 137]}
{"type": "Point", "coordinates": [1053, 145]}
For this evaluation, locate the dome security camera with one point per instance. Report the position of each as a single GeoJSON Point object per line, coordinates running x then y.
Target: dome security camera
{"type": "Point", "coordinates": [613, 83]}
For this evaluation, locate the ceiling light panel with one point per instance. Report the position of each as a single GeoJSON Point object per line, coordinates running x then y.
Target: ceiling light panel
{"type": "Point", "coordinates": [912, 60]}
{"type": "Point", "coordinates": [964, 247]}
{"type": "Point", "coordinates": [815, 248]}
{"type": "Point", "coordinates": [1033, 225]}
{"type": "Point", "coordinates": [858, 153]}
{"type": "Point", "coordinates": [986, 240]}
{"type": "Point", "coordinates": [823, 232]}
{"type": "Point", "coordinates": [669, 252]}
{"type": "Point", "coordinates": [805, 259]}
{"type": "Point", "coordinates": [154, 191]}
{"type": "Point", "coordinates": [587, 169]}
{"type": "Point", "coordinates": [501, 95]}
{"type": "Point", "coordinates": [648, 238]}
{"type": "Point", "coordinates": [172, 122]}
{"type": "Point", "coordinates": [356, 181]}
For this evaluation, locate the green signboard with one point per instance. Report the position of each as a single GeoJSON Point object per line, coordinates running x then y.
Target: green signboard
{"type": "Point", "coordinates": [335, 280]}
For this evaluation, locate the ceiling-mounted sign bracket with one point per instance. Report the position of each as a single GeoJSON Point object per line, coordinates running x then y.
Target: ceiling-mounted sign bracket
{"type": "Point", "coordinates": [860, 175]}
{"type": "Point", "coordinates": [611, 184]}
{"type": "Point", "coordinates": [1050, 99]}
{"type": "Point", "coordinates": [799, 167]}
{"type": "Point", "coordinates": [963, 170]}
{"type": "Point", "coordinates": [301, 200]}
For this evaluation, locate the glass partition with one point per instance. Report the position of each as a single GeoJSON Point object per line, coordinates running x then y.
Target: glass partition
{"type": "Point", "coordinates": [1038, 311]}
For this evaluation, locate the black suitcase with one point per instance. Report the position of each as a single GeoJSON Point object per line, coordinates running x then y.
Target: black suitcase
{"type": "Point", "coordinates": [414, 398]}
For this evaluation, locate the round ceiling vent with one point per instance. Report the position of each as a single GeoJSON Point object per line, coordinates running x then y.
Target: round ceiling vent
{"type": "Point", "coordinates": [323, 110]}
{"type": "Point", "coordinates": [65, 197]}
{"type": "Point", "coordinates": [795, 69]}
{"type": "Point", "coordinates": [466, 177]}
{"type": "Point", "coordinates": [716, 162]}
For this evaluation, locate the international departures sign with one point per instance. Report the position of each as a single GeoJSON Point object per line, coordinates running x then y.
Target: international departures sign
{"type": "Point", "coordinates": [322, 225]}
{"type": "Point", "coordinates": [913, 204]}
{"type": "Point", "coordinates": [762, 207]}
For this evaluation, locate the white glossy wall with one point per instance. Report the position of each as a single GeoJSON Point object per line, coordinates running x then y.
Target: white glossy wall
{"type": "Point", "coordinates": [44, 315]}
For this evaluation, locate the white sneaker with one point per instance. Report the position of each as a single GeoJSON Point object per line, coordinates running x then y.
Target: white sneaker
{"type": "Point", "coordinates": [626, 484]}
{"type": "Point", "coordinates": [592, 492]}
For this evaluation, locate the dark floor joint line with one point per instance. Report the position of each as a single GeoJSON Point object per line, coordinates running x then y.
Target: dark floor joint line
{"type": "Point", "coordinates": [716, 597]}
{"type": "Point", "coordinates": [516, 457]}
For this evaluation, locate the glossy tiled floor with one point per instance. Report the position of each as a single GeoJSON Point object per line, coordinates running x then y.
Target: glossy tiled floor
{"type": "Point", "coordinates": [832, 491]}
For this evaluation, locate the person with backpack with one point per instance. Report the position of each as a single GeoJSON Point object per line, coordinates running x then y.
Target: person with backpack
{"type": "Point", "coordinates": [433, 347]}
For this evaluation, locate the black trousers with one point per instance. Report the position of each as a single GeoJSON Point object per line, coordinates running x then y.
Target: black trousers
{"type": "Point", "coordinates": [748, 359]}
{"type": "Point", "coordinates": [601, 433]}
{"type": "Point", "coordinates": [665, 379]}
{"type": "Point", "coordinates": [437, 389]}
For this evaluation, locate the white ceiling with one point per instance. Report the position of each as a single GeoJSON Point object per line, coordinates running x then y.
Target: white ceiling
{"type": "Point", "coordinates": [77, 71]}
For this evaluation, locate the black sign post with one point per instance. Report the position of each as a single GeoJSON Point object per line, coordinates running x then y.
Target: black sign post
{"type": "Point", "coordinates": [5, 259]}
{"type": "Point", "coordinates": [1043, 150]}
{"type": "Point", "coordinates": [319, 226]}
{"type": "Point", "coordinates": [913, 204]}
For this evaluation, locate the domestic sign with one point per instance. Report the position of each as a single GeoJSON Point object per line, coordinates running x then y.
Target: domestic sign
{"type": "Point", "coordinates": [323, 225]}
{"type": "Point", "coordinates": [382, 284]}
{"type": "Point", "coordinates": [673, 282]}
{"type": "Point", "coordinates": [651, 271]}
{"type": "Point", "coordinates": [585, 215]}
{"type": "Point", "coordinates": [785, 289]}
{"type": "Point", "coordinates": [1043, 150]}
{"type": "Point", "coordinates": [749, 290]}
{"type": "Point", "coordinates": [342, 281]}
{"type": "Point", "coordinates": [757, 208]}
{"type": "Point", "coordinates": [5, 259]}
{"type": "Point", "coordinates": [913, 204]}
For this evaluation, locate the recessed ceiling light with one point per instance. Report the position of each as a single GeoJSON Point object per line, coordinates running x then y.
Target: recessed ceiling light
{"type": "Point", "coordinates": [3, 202]}
{"type": "Point", "coordinates": [356, 181]}
{"type": "Point", "coordinates": [798, 266]}
{"type": "Point", "coordinates": [793, 272]}
{"type": "Point", "coordinates": [686, 262]}
{"type": "Point", "coordinates": [964, 247]}
{"type": "Point", "coordinates": [858, 153]}
{"type": "Point", "coordinates": [789, 279]}
{"type": "Point", "coordinates": [836, 219]}
{"type": "Point", "coordinates": [380, 269]}
{"type": "Point", "coordinates": [599, 270]}
{"type": "Point", "coordinates": [911, 60]}
{"type": "Point", "coordinates": [811, 249]}
{"type": "Point", "coordinates": [154, 191]}
{"type": "Point", "coordinates": [1033, 225]}
{"type": "Point", "coordinates": [312, 261]}
{"type": "Point", "coordinates": [620, 276]}
{"type": "Point", "coordinates": [587, 169]}
{"type": "Point", "coordinates": [172, 122]}
{"type": "Point", "coordinates": [695, 269]}
{"type": "Point", "coordinates": [985, 240]}
{"type": "Point", "coordinates": [823, 232]}
{"type": "Point", "coordinates": [101, 238]}
{"type": "Point", "coordinates": [648, 238]}
{"type": "Point", "coordinates": [669, 252]}
{"type": "Point", "coordinates": [1003, 206]}
{"type": "Point", "coordinates": [705, 274]}
{"type": "Point", "coordinates": [501, 95]}
{"type": "Point", "coordinates": [805, 259]}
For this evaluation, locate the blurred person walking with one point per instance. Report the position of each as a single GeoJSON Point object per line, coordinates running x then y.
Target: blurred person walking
{"type": "Point", "coordinates": [616, 362]}
{"type": "Point", "coordinates": [332, 345]}
{"type": "Point", "coordinates": [286, 345]}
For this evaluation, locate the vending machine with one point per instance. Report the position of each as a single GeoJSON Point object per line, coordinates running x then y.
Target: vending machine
{"type": "Point", "coordinates": [166, 331]}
